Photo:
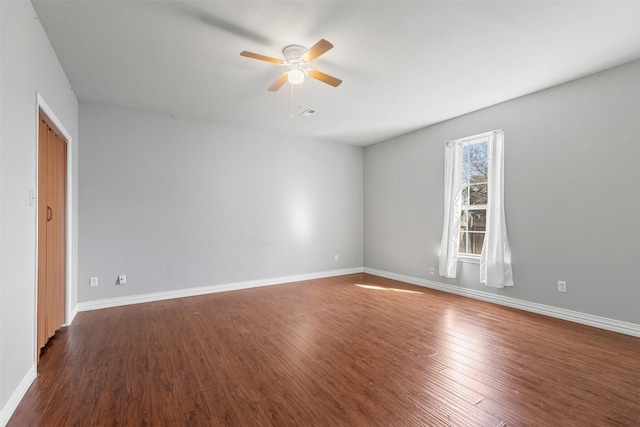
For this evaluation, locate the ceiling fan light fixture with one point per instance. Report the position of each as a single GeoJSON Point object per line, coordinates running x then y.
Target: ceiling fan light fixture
{"type": "Point", "coordinates": [297, 58]}
{"type": "Point", "coordinates": [295, 76]}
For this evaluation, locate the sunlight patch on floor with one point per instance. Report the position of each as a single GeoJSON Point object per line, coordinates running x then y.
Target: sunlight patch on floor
{"type": "Point", "coordinates": [380, 288]}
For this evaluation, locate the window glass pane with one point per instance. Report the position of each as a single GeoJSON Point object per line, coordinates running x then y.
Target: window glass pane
{"type": "Point", "coordinates": [477, 172]}
{"type": "Point", "coordinates": [471, 242]}
{"type": "Point", "coordinates": [463, 231]}
{"type": "Point", "coordinates": [478, 163]}
{"type": "Point", "coordinates": [465, 172]}
{"type": "Point", "coordinates": [465, 195]}
{"type": "Point", "coordinates": [477, 194]}
{"type": "Point", "coordinates": [475, 243]}
{"type": "Point", "coordinates": [463, 243]}
{"type": "Point", "coordinates": [477, 220]}
{"type": "Point", "coordinates": [477, 152]}
{"type": "Point", "coordinates": [464, 215]}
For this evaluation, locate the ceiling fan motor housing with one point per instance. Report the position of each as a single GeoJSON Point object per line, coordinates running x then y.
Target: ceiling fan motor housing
{"type": "Point", "coordinates": [292, 54]}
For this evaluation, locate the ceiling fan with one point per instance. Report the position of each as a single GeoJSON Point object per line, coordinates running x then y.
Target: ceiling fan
{"type": "Point", "coordinates": [297, 59]}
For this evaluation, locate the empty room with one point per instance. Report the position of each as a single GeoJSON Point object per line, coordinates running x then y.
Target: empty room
{"type": "Point", "coordinates": [319, 213]}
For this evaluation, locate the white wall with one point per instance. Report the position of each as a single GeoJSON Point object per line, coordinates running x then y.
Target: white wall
{"type": "Point", "coordinates": [572, 156]}
{"type": "Point", "coordinates": [180, 203]}
{"type": "Point", "coordinates": [29, 64]}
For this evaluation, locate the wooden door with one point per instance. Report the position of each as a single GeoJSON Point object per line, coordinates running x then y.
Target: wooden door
{"type": "Point", "coordinates": [52, 184]}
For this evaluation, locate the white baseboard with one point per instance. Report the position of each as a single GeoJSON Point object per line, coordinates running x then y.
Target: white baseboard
{"type": "Point", "coordinates": [181, 293]}
{"type": "Point", "coordinates": [547, 310]}
{"type": "Point", "coordinates": [14, 400]}
{"type": "Point", "coordinates": [71, 315]}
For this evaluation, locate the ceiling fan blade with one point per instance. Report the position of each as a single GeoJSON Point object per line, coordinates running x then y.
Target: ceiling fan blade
{"type": "Point", "coordinates": [316, 50]}
{"type": "Point", "coordinates": [325, 78]}
{"type": "Point", "coordinates": [262, 57]}
{"type": "Point", "coordinates": [278, 83]}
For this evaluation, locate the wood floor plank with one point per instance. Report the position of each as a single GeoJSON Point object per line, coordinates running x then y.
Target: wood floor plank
{"type": "Point", "coordinates": [345, 351]}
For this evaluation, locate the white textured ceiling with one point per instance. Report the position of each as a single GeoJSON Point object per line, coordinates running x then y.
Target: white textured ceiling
{"type": "Point", "coordinates": [405, 64]}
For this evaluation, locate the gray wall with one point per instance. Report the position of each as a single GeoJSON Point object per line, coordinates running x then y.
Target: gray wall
{"type": "Point", "coordinates": [179, 203]}
{"type": "Point", "coordinates": [29, 64]}
{"type": "Point", "coordinates": [572, 156]}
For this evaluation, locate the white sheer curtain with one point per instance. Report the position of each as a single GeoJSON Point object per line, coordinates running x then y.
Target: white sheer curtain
{"type": "Point", "coordinates": [452, 203]}
{"type": "Point", "coordinates": [495, 259]}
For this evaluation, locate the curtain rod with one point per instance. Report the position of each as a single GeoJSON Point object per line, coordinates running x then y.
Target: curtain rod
{"type": "Point", "coordinates": [469, 138]}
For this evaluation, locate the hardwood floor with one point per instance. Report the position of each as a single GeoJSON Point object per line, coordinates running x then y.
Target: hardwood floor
{"type": "Point", "coordinates": [354, 350]}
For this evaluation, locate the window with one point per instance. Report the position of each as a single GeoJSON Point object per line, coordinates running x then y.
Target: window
{"type": "Point", "coordinates": [474, 221]}
{"type": "Point", "coordinates": [473, 211]}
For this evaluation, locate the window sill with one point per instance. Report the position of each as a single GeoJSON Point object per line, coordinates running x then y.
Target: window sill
{"type": "Point", "coordinates": [471, 259]}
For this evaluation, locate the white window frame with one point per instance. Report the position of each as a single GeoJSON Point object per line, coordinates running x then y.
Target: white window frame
{"type": "Point", "coordinates": [476, 139]}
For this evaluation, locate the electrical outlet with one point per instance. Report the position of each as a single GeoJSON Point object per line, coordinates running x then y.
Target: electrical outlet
{"type": "Point", "coordinates": [93, 282]}
{"type": "Point", "coordinates": [336, 258]}
{"type": "Point", "coordinates": [562, 286]}
{"type": "Point", "coordinates": [432, 271]}
{"type": "Point", "coordinates": [122, 279]}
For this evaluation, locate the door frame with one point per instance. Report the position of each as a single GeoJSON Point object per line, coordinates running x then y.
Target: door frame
{"type": "Point", "coordinates": [43, 109]}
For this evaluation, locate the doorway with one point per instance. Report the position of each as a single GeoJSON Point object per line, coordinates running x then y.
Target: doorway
{"type": "Point", "coordinates": [52, 189]}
